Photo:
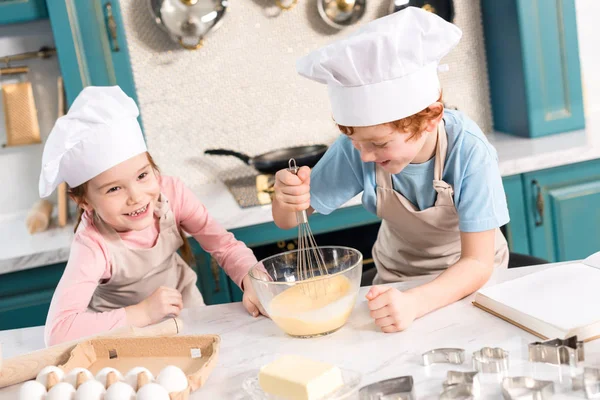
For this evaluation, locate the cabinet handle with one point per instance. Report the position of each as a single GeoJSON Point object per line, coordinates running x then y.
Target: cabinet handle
{"type": "Point", "coordinates": [112, 26]}
{"type": "Point", "coordinates": [539, 204]}
{"type": "Point", "coordinates": [214, 268]}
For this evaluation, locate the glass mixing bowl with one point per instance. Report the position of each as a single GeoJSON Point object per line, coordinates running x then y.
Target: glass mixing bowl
{"type": "Point", "coordinates": [309, 302]}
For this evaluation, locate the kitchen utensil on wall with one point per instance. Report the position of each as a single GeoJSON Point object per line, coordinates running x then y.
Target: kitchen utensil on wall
{"type": "Point", "coordinates": [443, 8]}
{"type": "Point", "coordinates": [189, 21]}
{"type": "Point", "coordinates": [20, 114]}
{"type": "Point", "coordinates": [39, 216]}
{"type": "Point", "coordinates": [340, 14]}
{"type": "Point", "coordinates": [273, 161]}
{"type": "Point", "coordinates": [25, 367]}
{"type": "Point", "coordinates": [286, 5]}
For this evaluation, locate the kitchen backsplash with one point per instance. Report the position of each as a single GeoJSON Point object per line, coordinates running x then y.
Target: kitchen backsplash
{"type": "Point", "coordinates": [20, 166]}
{"type": "Point", "coordinates": [241, 91]}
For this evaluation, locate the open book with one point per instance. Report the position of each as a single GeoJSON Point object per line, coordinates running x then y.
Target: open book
{"type": "Point", "coordinates": [558, 302]}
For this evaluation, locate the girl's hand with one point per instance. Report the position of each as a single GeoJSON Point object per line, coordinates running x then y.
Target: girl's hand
{"type": "Point", "coordinates": [162, 303]}
{"type": "Point", "coordinates": [292, 191]}
{"type": "Point", "coordinates": [392, 310]}
{"type": "Point", "coordinates": [250, 299]}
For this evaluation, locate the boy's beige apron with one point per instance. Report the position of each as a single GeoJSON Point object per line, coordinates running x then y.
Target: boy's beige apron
{"type": "Point", "coordinates": [137, 273]}
{"type": "Point", "coordinates": [413, 243]}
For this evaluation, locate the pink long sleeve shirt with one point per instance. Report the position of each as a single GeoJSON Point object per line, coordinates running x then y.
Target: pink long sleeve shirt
{"type": "Point", "coordinates": [89, 264]}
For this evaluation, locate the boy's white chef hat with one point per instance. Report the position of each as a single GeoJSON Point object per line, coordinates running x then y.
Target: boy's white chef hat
{"type": "Point", "coordinates": [99, 131]}
{"type": "Point", "coordinates": [386, 70]}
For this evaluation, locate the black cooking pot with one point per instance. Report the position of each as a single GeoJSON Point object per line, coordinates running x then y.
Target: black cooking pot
{"type": "Point", "coordinates": [273, 161]}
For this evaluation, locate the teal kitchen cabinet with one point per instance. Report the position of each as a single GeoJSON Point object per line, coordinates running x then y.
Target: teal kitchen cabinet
{"type": "Point", "coordinates": [18, 11]}
{"type": "Point", "coordinates": [90, 43]}
{"type": "Point", "coordinates": [516, 230]}
{"type": "Point", "coordinates": [25, 296]}
{"type": "Point", "coordinates": [533, 66]}
{"type": "Point", "coordinates": [563, 211]}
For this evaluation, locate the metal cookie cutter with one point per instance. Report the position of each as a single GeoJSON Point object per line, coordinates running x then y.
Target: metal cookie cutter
{"type": "Point", "coordinates": [455, 392]}
{"type": "Point", "coordinates": [400, 388]}
{"type": "Point", "coordinates": [460, 385]}
{"type": "Point", "coordinates": [589, 382]}
{"type": "Point", "coordinates": [524, 387]}
{"type": "Point", "coordinates": [444, 355]}
{"type": "Point", "coordinates": [490, 360]}
{"type": "Point", "coordinates": [558, 351]}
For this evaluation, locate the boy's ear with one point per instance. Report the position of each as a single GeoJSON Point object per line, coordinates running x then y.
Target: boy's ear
{"type": "Point", "coordinates": [433, 123]}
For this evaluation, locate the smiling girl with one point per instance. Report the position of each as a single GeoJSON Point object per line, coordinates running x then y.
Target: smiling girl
{"type": "Point", "coordinates": [124, 267]}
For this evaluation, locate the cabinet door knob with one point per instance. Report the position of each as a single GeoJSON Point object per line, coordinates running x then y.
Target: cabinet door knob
{"type": "Point", "coordinates": [111, 26]}
{"type": "Point", "coordinates": [539, 204]}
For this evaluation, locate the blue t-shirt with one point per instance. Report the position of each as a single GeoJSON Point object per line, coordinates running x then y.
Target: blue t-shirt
{"type": "Point", "coordinates": [471, 168]}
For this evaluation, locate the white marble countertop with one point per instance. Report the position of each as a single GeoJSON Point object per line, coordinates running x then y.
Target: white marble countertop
{"type": "Point", "coordinates": [19, 250]}
{"type": "Point", "coordinates": [249, 343]}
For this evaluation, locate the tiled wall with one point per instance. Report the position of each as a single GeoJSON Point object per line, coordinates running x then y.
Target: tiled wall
{"type": "Point", "coordinates": [241, 90]}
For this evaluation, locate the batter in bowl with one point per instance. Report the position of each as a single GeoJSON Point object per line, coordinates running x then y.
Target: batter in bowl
{"type": "Point", "coordinates": [314, 307]}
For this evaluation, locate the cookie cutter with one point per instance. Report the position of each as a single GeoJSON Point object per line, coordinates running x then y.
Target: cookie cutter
{"type": "Point", "coordinates": [557, 351]}
{"type": "Point", "coordinates": [460, 385]}
{"type": "Point", "coordinates": [400, 388]}
{"type": "Point", "coordinates": [524, 387]}
{"type": "Point", "coordinates": [589, 382]}
{"type": "Point", "coordinates": [461, 378]}
{"type": "Point", "coordinates": [444, 355]}
{"type": "Point", "coordinates": [490, 360]}
{"type": "Point", "coordinates": [454, 392]}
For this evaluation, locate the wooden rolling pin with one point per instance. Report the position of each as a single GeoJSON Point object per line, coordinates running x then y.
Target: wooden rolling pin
{"type": "Point", "coordinates": [25, 367]}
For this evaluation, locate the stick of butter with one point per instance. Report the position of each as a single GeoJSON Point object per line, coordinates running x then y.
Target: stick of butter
{"type": "Point", "coordinates": [297, 378]}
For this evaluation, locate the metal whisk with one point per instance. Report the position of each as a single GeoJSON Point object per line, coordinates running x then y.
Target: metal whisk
{"type": "Point", "coordinates": [310, 258]}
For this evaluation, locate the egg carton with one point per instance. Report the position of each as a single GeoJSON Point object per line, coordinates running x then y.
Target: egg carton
{"type": "Point", "coordinates": [153, 365]}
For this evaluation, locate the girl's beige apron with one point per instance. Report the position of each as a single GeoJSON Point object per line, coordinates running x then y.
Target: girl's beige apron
{"type": "Point", "coordinates": [413, 243]}
{"type": "Point", "coordinates": [137, 273]}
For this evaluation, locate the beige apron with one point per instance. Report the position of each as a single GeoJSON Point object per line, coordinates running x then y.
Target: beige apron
{"type": "Point", "coordinates": [413, 243]}
{"type": "Point", "coordinates": [137, 273]}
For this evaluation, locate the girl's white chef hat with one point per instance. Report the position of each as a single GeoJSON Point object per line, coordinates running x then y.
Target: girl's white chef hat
{"type": "Point", "coordinates": [99, 131]}
{"type": "Point", "coordinates": [386, 70]}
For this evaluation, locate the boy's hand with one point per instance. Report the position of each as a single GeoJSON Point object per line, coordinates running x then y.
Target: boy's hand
{"type": "Point", "coordinates": [292, 191]}
{"type": "Point", "coordinates": [392, 310]}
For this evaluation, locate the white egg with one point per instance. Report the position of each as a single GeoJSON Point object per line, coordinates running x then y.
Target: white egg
{"type": "Point", "coordinates": [119, 391]}
{"type": "Point", "coordinates": [61, 391]}
{"type": "Point", "coordinates": [71, 377]}
{"type": "Point", "coordinates": [172, 378]}
{"type": "Point", "coordinates": [32, 390]}
{"type": "Point", "coordinates": [152, 391]}
{"type": "Point", "coordinates": [102, 375]}
{"type": "Point", "coordinates": [90, 390]}
{"type": "Point", "coordinates": [42, 376]}
{"type": "Point", "coordinates": [132, 376]}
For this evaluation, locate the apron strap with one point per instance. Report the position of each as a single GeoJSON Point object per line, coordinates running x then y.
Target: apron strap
{"type": "Point", "coordinates": [440, 151]}
{"type": "Point", "coordinates": [383, 179]}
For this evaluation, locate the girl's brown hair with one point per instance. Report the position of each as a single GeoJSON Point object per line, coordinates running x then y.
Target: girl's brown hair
{"type": "Point", "coordinates": [78, 194]}
{"type": "Point", "coordinates": [414, 124]}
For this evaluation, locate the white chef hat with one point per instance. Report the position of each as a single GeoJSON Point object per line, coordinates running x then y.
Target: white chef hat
{"type": "Point", "coordinates": [99, 131]}
{"type": "Point", "coordinates": [386, 70]}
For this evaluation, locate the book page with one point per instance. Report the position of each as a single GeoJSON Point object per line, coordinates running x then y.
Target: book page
{"type": "Point", "coordinates": [566, 296]}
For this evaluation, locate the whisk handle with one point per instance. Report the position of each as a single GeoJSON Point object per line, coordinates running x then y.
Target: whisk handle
{"type": "Point", "coordinates": [301, 216]}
